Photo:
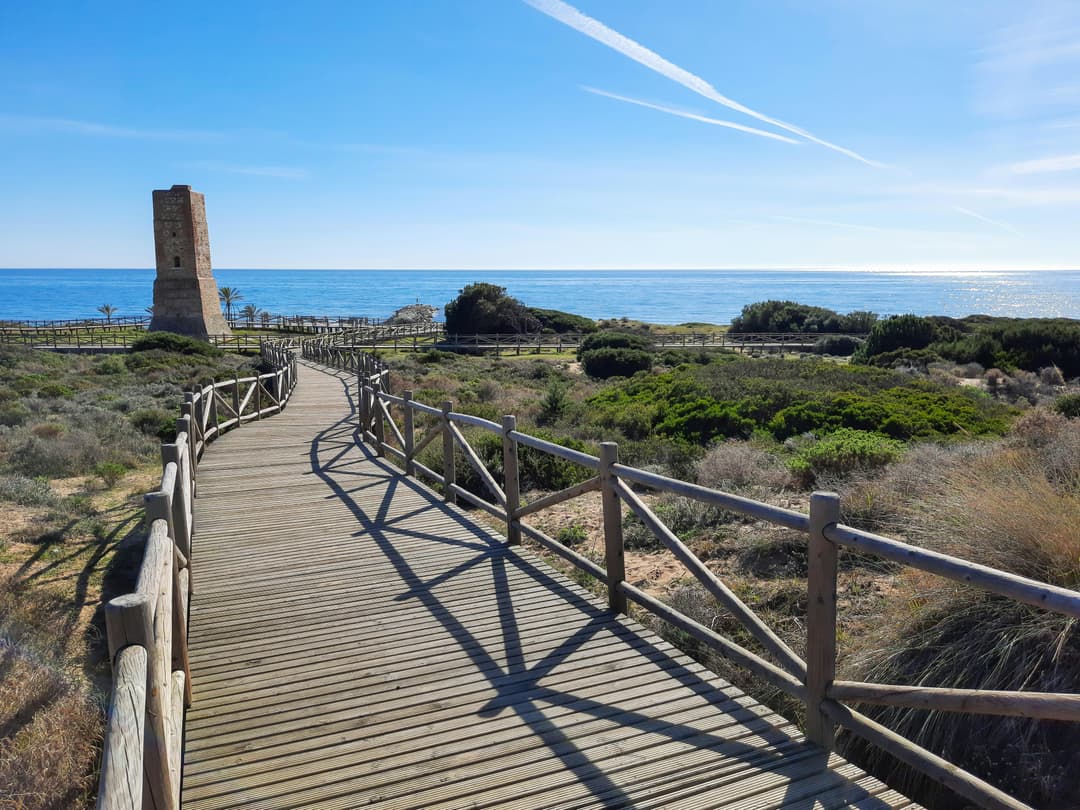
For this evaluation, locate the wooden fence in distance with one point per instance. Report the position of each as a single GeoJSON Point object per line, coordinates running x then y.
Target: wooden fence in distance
{"type": "Point", "coordinates": [812, 681]}
{"type": "Point", "coordinates": [147, 629]}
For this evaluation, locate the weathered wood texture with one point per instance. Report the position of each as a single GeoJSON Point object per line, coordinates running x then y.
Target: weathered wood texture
{"type": "Point", "coordinates": [355, 640]}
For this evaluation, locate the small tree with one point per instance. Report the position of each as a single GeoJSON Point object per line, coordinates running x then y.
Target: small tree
{"type": "Point", "coordinates": [108, 310]}
{"type": "Point", "coordinates": [487, 309]}
{"type": "Point", "coordinates": [264, 319]}
{"type": "Point", "coordinates": [229, 296]}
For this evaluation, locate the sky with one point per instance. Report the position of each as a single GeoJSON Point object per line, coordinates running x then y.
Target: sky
{"type": "Point", "coordinates": [540, 134]}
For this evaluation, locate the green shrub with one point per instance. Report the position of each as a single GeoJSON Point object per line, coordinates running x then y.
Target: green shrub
{"type": "Point", "coordinates": [554, 403]}
{"type": "Point", "coordinates": [154, 422]}
{"type": "Point", "coordinates": [905, 358]}
{"type": "Point", "coordinates": [572, 535]}
{"type": "Point", "coordinates": [179, 344]}
{"type": "Point", "coordinates": [432, 356]}
{"type": "Point", "coordinates": [110, 472]}
{"type": "Point", "coordinates": [26, 491]}
{"type": "Point", "coordinates": [609, 362]}
{"type": "Point", "coordinates": [1068, 405]}
{"type": "Point", "coordinates": [56, 390]}
{"type": "Point", "coordinates": [552, 320]}
{"type": "Point", "coordinates": [845, 451]}
{"type": "Point", "coordinates": [838, 346]}
{"type": "Point", "coordinates": [111, 364]}
{"type": "Point", "coordinates": [13, 413]}
{"type": "Point", "coordinates": [613, 340]}
{"type": "Point", "coordinates": [703, 420]}
{"type": "Point", "coordinates": [898, 332]}
{"type": "Point", "coordinates": [789, 316]}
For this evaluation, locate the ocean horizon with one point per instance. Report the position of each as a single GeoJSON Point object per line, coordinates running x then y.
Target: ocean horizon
{"type": "Point", "coordinates": [657, 296]}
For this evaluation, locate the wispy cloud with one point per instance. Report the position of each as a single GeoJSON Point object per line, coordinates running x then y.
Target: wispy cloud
{"type": "Point", "coordinates": [829, 223]}
{"type": "Point", "coordinates": [976, 215]}
{"type": "Point", "coordinates": [24, 124]}
{"type": "Point", "coordinates": [692, 116]}
{"type": "Point", "coordinates": [570, 16]}
{"type": "Point", "coordinates": [1049, 165]}
{"type": "Point", "coordinates": [283, 172]}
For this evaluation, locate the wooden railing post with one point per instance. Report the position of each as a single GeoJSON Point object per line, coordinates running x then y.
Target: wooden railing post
{"type": "Point", "coordinates": [361, 399]}
{"type": "Point", "coordinates": [379, 426]}
{"type": "Point", "coordinates": [511, 480]}
{"type": "Point", "coordinates": [449, 473]}
{"type": "Point", "coordinates": [187, 411]}
{"type": "Point", "coordinates": [257, 398]}
{"type": "Point", "coordinates": [409, 432]}
{"type": "Point", "coordinates": [236, 397]}
{"type": "Point", "coordinates": [821, 616]}
{"type": "Point", "coordinates": [613, 532]}
{"type": "Point", "coordinates": [179, 521]}
{"type": "Point", "coordinates": [129, 619]}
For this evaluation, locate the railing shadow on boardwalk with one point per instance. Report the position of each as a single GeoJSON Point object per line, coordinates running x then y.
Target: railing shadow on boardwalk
{"type": "Point", "coordinates": [517, 685]}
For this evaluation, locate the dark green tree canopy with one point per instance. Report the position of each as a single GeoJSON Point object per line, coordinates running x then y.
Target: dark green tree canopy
{"type": "Point", "coordinates": [482, 308]}
{"type": "Point", "coordinates": [789, 316]}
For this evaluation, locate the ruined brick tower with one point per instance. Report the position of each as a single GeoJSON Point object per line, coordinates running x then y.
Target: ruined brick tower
{"type": "Point", "coordinates": [185, 293]}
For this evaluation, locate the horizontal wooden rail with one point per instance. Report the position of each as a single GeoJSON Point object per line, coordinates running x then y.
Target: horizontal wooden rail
{"type": "Point", "coordinates": [1021, 589]}
{"type": "Point", "coordinates": [813, 681]}
{"type": "Point", "coordinates": [1041, 705]}
{"type": "Point", "coordinates": [147, 629]}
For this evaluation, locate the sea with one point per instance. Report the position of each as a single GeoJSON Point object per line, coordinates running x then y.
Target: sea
{"type": "Point", "coordinates": [656, 296]}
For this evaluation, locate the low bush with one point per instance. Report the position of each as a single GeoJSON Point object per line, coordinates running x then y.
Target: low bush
{"type": "Point", "coordinates": [26, 491]}
{"type": "Point", "coordinates": [1068, 405]}
{"type": "Point", "coordinates": [844, 452]}
{"type": "Point", "coordinates": [179, 344]}
{"type": "Point", "coordinates": [110, 472]}
{"type": "Point", "coordinates": [740, 467]}
{"type": "Point", "coordinates": [898, 332]}
{"type": "Point", "coordinates": [552, 320]}
{"type": "Point", "coordinates": [610, 339]}
{"type": "Point", "coordinates": [111, 364]}
{"type": "Point", "coordinates": [155, 422]}
{"type": "Point", "coordinates": [54, 389]}
{"type": "Point", "coordinates": [838, 346]}
{"type": "Point", "coordinates": [611, 362]}
{"type": "Point", "coordinates": [572, 535]}
{"type": "Point", "coordinates": [789, 316]}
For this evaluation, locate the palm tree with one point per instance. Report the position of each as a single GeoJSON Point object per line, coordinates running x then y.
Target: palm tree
{"type": "Point", "coordinates": [229, 296]}
{"type": "Point", "coordinates": [264, 318]}
{"type": "Point", "coordinates": [249, 313]}
{"type": "Point", "coordinates": [108, 310]}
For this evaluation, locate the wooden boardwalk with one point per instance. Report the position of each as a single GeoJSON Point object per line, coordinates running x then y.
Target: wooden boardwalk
{"type": "Point", "coordinates": [355, 641]}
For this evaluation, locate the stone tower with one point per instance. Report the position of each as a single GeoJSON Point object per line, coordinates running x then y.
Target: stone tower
{"type": "Point", "coordinates": [185, 293]}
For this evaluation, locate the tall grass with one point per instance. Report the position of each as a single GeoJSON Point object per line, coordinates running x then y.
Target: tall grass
{"type": "Point", "coordinates": [1015, 507]}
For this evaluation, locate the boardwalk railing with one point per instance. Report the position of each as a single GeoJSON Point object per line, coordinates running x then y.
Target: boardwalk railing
{"type": "Point", "coordinates": [812, 681]}
{"type": "Point", "coordinates": [116, 322]}
{"type": "Point", "coordinates": [538, 343]}
{"type": "Point", "coordinates": [147, 629]}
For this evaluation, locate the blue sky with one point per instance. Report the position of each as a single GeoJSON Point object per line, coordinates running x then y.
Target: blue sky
{"type": "Point", "coordinates": [502, 133]}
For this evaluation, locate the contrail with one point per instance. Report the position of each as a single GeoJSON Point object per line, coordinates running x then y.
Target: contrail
{"type": "Point", "coordinates": [976, 215]}
{"type": "Point", "coordinates": [690, 115]}
{"type": "Point", "coordinates": [568, 15]}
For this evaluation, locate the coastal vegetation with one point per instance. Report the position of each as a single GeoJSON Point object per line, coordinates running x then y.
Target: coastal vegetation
{"type": "Point", "coordinates": [79, 439]}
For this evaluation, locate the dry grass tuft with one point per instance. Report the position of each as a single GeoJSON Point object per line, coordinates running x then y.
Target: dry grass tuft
{"type": "Point", "coordinates": [50, 727]}
{"type": "Point", "coordinates": [1015, 509]}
